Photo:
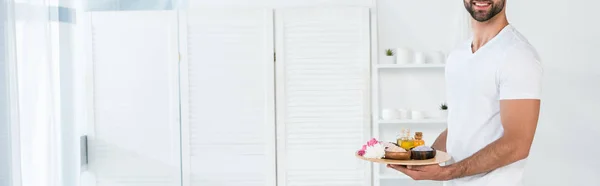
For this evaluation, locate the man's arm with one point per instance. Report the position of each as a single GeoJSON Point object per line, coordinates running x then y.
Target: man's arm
{"type": "Point", "coordinates": [440, 142]}
{"type": "Point", "coordinates": [519, 119]}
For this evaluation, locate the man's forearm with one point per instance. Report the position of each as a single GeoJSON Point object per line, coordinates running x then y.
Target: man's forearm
{"type": "Point", "coordinates": [497, 154]}
{"type": "Point", "coordinates": [440, 142]}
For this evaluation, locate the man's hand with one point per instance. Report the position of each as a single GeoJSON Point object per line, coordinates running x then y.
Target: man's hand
{"type": "Point", "coordinates": [429, 172]}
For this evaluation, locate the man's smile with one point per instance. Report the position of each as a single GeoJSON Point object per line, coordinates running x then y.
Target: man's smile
{"type": "Point", "coordinates": [482, 5]}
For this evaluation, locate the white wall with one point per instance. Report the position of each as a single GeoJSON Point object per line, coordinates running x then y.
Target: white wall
{"type": "Point", "coordinates": [566, 36]}
{"type": "Point", "coordinates": [420, 25]}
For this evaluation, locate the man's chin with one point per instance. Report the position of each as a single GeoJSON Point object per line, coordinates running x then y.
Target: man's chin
{"type": "Point", "coordinates": [482, 18]}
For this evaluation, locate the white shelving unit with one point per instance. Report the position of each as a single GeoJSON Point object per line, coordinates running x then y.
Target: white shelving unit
{"type": "Point", "coordinates": [405, 86]}
{"type": "Point", "coordinates": [415, 87]}
{"type": "Point", "coordinates": [402, 77]}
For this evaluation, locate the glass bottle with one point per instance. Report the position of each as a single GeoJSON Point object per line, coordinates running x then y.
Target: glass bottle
{"type": "Point", "coordinates": [400, 136]}
{"type": "Point", "coordinates": [418, 139]}
{"type": "Point", "coordinates": [405, 141]}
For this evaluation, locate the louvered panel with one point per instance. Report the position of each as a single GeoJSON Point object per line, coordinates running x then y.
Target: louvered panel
{"type": "Point", "coordinates": [134, 140]}
{"type": "Point", "coordinates": [231, 103]}
{"type": "Point", "coordinates": [322, 95]}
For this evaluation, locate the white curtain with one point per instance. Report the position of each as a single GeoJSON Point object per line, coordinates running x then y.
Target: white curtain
{"type": "Point", "coordinates": [36, 47]}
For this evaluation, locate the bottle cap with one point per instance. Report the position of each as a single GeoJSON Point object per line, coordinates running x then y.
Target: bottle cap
{"type": "Point", "coordinates": [418, 135]}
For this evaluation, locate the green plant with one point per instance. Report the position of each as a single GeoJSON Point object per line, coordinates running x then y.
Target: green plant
{"type": "Point", "coordinates": [389, 52]}
{"type": "Point", "coordinates": [443, 106]}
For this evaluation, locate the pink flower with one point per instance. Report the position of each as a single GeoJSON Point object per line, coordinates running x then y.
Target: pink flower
{"type": "Point", "coordinates": [372, 142]}
{"type": "Point", "coordinates": [361, 152]}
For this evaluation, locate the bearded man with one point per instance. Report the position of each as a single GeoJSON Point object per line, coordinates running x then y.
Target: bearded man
{"type": "Point", "coordinates": [493, 89]}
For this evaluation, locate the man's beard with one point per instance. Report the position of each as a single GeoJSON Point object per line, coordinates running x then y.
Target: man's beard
{"type": "Point", "coordinates": [483, 16]}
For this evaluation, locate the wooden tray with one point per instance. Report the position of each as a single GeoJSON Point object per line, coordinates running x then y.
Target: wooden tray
{"type": "Point", "coordinates": [440, 157]}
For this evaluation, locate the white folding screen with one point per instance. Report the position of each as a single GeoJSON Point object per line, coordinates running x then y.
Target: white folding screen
{"type": "Point", "coordinates": [323, 75]}
{"type": "Point", "coordinates": [134, 136]}
{"type": "Point", "coordinates": [228, 104]}
{"type": "Point", "coordinates": [227, 80]}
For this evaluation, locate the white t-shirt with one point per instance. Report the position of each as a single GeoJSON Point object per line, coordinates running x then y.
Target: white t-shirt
{"type": "Point", "coordinates": [507, 67]}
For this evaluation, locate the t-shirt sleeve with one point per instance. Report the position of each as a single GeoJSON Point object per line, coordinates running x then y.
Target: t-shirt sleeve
{"type": "Point", "coordinates": [520, 76]}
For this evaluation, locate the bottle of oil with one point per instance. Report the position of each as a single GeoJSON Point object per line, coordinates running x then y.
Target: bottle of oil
{"type": "Point", "coordinates": [405, 141]}
{"type": "Point", "coordinates": [418, 139]}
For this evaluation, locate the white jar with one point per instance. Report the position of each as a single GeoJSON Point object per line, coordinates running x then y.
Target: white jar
{"type": "Point", "coordinates": [404, 56]}
{"type": "Point", "coordinates": [420, 58]}
{"type": "Point", "coordinates": [389, 114]}
{"type": "Point", "coordinates": [404, 114]}
{"type": "Point", "coordinates": [444, 114]}
{"type": "Point", "coordinates": [388, 60]}
{"type": "Point", "coordinates": [417, 115]}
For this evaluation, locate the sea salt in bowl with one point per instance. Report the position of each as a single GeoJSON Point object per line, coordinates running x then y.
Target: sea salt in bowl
{"type": "Point", "coordinates": [422, 148]}
{"type": "Point", "coordinates": [422, 153]}
{"type": "Point", "coordinates": [396, 153]}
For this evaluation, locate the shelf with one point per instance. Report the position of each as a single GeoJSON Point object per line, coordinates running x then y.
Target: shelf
{"type": "Point", "coordinates": [420, 121]}
{"type": "Point", "coordinates": [408, 66]}
{"type": "Point", "coordinates": [393, 176]}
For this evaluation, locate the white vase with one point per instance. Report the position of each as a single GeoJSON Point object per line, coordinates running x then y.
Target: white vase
{"type": "Point", "coordinates": [416, 115]}
{"type": "Point", "coordinates": [444, 114]}
{"type": "Point", "coordinates": [404, 114]}
{"type": "Point", "coordinates": [389, 114]}
{"type": "Point", "coordinates": [404, 56]}
{"type": "Point", "coordinates": [388, 60]}
{"type": "Point", "coordinates": [420, 58]}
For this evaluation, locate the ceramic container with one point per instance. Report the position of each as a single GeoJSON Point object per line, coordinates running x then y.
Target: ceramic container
{"type": "Point", "coordinates": [404, 56]}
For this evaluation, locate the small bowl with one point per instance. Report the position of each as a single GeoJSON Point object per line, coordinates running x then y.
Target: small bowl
{"type": "Point", "coordinates": [422, 155]}
{"type": "Point", "coordinates": [397, 155]}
